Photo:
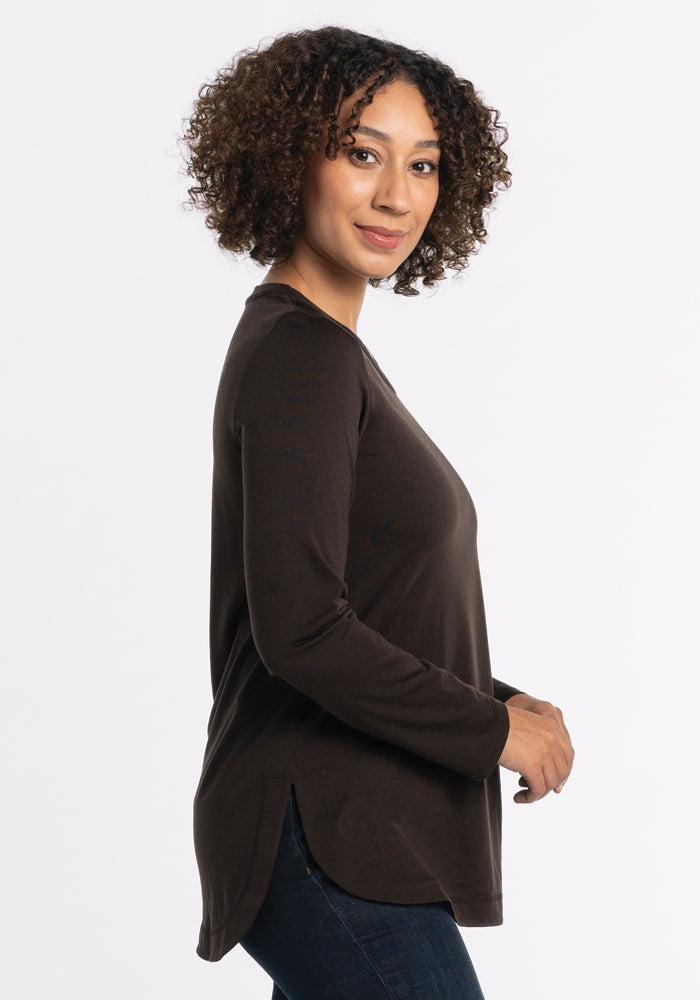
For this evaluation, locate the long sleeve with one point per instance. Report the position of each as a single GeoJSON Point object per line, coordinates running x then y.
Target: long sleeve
{"type": "Point", "coordinates": [303, 404]}
{"type": "Point", "coordinates": [504, 691]}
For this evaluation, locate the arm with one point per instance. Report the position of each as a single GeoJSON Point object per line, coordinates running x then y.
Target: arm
{"type": "Point", "coordinates": [504, 691]}
{"type": "Point", "coordinates": [302, 406]}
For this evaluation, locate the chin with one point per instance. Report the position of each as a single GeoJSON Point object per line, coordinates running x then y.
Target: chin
{"type": "Point", "coordinates": [382, 270]}
{"type": "Point", "coordinates": [379, 275]}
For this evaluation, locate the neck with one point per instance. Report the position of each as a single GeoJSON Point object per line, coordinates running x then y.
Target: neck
{"type": "Point", "coordinates": [334, 290]}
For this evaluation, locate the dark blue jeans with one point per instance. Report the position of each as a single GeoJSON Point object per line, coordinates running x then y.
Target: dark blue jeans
{"type": "Point", "coordinates": [318, 942]}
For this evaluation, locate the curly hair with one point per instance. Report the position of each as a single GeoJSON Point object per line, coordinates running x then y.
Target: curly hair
{"type": "Point", "coordinates": [254, 128]}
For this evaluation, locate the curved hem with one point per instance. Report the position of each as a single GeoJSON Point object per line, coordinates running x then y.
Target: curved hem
{"type": "Point", "coordinates": [475, 910]}
{"type": "Point", "coordinates": [468, 911]}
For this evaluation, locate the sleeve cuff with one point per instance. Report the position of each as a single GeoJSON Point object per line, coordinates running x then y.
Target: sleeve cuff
{"type": "Point", "coordinates": [503, 691]}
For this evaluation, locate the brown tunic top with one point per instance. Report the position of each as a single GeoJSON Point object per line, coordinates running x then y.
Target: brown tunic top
{"type": "Point", "coordinates": [349, 651]}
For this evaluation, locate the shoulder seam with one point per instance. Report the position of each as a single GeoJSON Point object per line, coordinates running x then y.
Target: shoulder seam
{"type": "Point", "coordinates": [324, 322]}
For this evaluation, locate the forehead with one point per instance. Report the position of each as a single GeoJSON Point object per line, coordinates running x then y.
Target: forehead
{"type": "Point", "coordinates": [397, 110]}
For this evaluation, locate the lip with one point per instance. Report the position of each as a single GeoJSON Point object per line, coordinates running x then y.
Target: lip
{"type": "Point", "coordinates": [379, 236]}
{"type": "Point", "coordinates": [381, 231]}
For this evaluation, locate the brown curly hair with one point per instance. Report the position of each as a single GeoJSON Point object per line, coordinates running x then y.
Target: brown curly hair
{"type": "Point", "coordinates": [252, 131]}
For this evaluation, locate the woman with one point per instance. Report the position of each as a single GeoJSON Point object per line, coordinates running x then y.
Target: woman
{"type": "Point", "coordinates": [348, 813]}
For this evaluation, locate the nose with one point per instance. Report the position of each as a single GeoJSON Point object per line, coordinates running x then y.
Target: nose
{"type": "Point", "coordinates": [392, 192]}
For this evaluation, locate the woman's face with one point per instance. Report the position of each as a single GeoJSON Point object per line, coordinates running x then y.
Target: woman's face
{"type": "Point", "coordinates": [365, 211]}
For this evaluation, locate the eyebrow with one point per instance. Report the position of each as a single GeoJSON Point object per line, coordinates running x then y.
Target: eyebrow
{"type": "Point", "coordinates": [383, 137]}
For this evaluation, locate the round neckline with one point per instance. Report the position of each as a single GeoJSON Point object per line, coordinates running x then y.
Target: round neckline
{"type": "Point", "coordinates": [285, 289]}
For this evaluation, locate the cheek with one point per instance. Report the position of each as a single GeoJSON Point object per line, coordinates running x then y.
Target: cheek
{"type": "Point", "coordinates": [339, 188]}
{"type": "Point", "coordinates": [317, 191]}
{"type": "Point", "coordinates": [430, 201]}
{"type": "Point", "coordinates": [424, 203]}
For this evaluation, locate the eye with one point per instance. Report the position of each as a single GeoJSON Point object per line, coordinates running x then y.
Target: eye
{"type": "Point", "coordinates": [361, 157]}
{"type": "Point", "coordinates": [425, 167]}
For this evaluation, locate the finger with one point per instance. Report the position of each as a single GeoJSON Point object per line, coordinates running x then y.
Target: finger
{"type": "Point", "coordinates": [562, 770]}
{"type": "Point", "coordinates": [560, 722]}
{"type": "Point", "coordinates": [524, 795]}
{"type": "Point", "coordinates": [528, 795]}
{"type": "Point", "coordinates": [568, 761]}
{"type": "Point", "coordinates": [552, 776]}
{"type": "Point", "coordinates": [534, 787]}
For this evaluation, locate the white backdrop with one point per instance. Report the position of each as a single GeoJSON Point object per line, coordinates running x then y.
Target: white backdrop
{"type": "Point", "coordinates": [560, 377]}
